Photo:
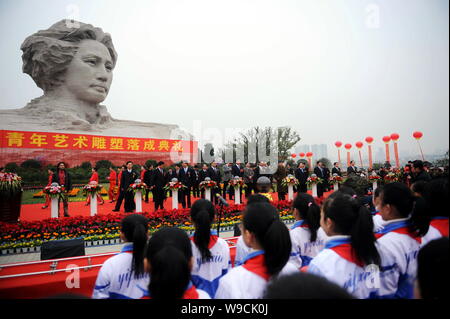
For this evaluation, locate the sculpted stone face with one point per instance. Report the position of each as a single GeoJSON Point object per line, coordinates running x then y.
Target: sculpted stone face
{"type": "Point", "coordinates": [89, 74]}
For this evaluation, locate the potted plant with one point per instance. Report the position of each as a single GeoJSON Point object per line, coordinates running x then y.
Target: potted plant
{"type": "Point", "coordinates": [10, 197]}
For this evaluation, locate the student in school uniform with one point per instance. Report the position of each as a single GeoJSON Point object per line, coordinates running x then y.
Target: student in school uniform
{"type": "Point", "coordinates": [399, 241]}
{"type": "Point", "coordinates": [211, 253]}
{"type": "Point", "coordinates": [350, 257]}
{"type": "Point", "coordinates": [378, 222]}
{"type": "Point", "coordinates": [242, 250]}
{"type": "Point", "coordinates": [119, 276]}
{"type": "Point", "coordinates": [269, 238]}
{"type": "Point", "coordinates": [169, 261]}
{"type": "Point", "coordinates": [438, 202]}
{"type": "Point", "coordinates": [307, 237]}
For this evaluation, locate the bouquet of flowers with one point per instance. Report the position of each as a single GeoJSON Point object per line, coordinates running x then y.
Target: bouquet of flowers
{"type": "Point", "coordinates": [289, 180]}
{"type": "Point", "coordinates": [138, 185]}
{"type": "Point", "coordinates": [313, 179]}
{"type": "Point", "coordinates": [392, 177]}
{"type": "Point", "coordinates": [237, 182]}
{"type": "Point", "coordinates": [207, 184]}
{"type": "Point", "coordinates": [374, 178]}
{"type": "Point", "coordinates": [92, 188]}
{"type": "Point", "coordinates": [54, 190]}
{"type": "Point", "coordinates": [336, 179]}
{"type": "Point", "coordinates": [174, 186]}
{"type": "Point", "coordinates": [10, 182]}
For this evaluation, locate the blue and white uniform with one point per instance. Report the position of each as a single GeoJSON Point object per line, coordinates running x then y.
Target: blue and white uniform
{"type": "Point", "coordinates": [438, 228]}
{"type": "Point", "coordinates": [249, 281]}
{"type": "Point", "coordinates": [398, 248]}
{"type": "Point", "coordinates": [242, 250]}
{"type": "Point", "coordinates": [378, 221]}
{"type": "Point", "coordinates": [206, 274]}
{"type": "Point", "coordinates": [337, 263]}
{"type": "Point", "coordinates": [303, 249]}
{"type": "Point", "coordinates": [115, 279]}
{"type": "Point", "coordinates": [191, 293]}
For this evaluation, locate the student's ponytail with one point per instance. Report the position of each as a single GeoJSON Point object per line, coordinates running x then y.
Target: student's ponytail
{"type": "Point", "coordinates": [309, 211]}
{"type": "Point", "coordinates": [262, 219]}
{"type": "Point", "coordinates": [401, 197]}
{"type": "Point", "coordinates": [202, 214]}
{"type": "Point", "coordinates": [169, 254]}
{"type": "Point", "coordinates": [353, 219]}
{"type": "Point", "coordinates": [135, 228]}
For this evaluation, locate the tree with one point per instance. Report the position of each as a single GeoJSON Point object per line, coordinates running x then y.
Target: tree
{"type": "Point", "coordinates": [249, 142]}
{"type": "Point", "coordinates": [326, 162]}
{"type": "Point", "coordinates": [103, 164]}
{"type": "Point", "coordinates": [31, 163]}
{"type": "Point", "coordinates": [442, 162]}
{"type": "Point", "coordinates": [86, 165]}
{"type": "Point", "coordinates": [12, 167]}
{"type": "Point", "coordinates": [151, 162]}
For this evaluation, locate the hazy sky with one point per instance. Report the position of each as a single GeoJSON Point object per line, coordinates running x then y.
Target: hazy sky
{"type": "Point", "coordinates": [331, 69]}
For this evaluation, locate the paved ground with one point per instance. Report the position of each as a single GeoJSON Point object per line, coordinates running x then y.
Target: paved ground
{"type": "Point", "coordinates": [8, 259]}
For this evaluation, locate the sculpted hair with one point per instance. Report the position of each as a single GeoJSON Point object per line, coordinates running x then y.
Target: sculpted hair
{"type": "Point", "coordinates": [202, 214]}
{"type": "Point", "coordinates": [47, 53]}
{"type": "Point", "coordinates": [262, 220]}
{"type": "Point", "coordinates": [169, 252]}
{"type": "Point", "coordinates": [135, 228]}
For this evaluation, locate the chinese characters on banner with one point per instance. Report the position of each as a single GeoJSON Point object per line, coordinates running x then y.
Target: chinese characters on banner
{"type": "Point", "coordinates": [61, 141]}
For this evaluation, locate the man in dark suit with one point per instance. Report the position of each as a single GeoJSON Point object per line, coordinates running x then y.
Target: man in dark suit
{"type": "Point", "coordinates": [301, 174]}
{"type": "Point", "coordinates": [196, 179]}
{"type": "Point", "coordinates": [336, 169]}
{"type": "Point", "coordinates": [236, 170]}
{"type": "Point", "coordinates": [187, 177]}
{"type": "Point", "coordinates": [214, 174]}
{"type": "Point", "coordinates": [63, 178]}
{"type": "Point", "coordinates": [128, 178]}
{"type": "Point", "coordinates": [320, 172]}
{"type": "Point", "coordinates": [148, 181]}
{"type": "Point", "coordinates": [159, 181]}
{"type": "Point", "coordinates": [203, 173]}
{"type": "Point", "coordinates": [419, 172]}
{"type": "Point", "coordinates": [352, 169]}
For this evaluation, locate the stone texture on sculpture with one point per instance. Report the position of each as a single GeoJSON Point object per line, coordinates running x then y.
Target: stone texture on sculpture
{"type": "Point", "coordinates": [73, 63]}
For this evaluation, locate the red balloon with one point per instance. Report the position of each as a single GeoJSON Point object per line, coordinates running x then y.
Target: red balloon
{"type": "Point", "coordinates": [359, 144]}
{"type": "Point", "coordinates": [417, 135]}
{"type": "Point", "coordinates": [302, 154]}
{"type": "Point", "coordinates": [348, 146]}
{"type": "Point", "coordinates": [309, 154]}
{"type": "Point", "coordinates": [294, 155]}
{"type": "Point", "coordinates": [395, 136]}
{"type": "Point", "coordinates": [369, 139]}
{"type": "Point", "coordinates": [338, 144]}
{"type": "Point", "coordinates": [386, 139]}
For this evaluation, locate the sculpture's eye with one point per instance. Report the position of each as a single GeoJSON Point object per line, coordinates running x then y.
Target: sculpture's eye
{"type": "Point", "coordinates": [91, 62]}
{"type": "Point", "coordinates": [108, 67]}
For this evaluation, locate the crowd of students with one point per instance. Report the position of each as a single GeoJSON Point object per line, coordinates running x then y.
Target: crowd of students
{"type": "Point", "coordinates": [395, 246]}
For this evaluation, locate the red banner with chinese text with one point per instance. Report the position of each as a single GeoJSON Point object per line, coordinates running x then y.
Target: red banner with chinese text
{"type": "Point", "coordinates": [62, 141]}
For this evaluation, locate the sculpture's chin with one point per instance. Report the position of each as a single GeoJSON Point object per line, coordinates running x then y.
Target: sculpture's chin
{"type": "Point", "coordinates": [94, 98]}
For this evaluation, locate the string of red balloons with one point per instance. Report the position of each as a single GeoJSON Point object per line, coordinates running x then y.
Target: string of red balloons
{"type": "Point", "coordinates": [394, 137]}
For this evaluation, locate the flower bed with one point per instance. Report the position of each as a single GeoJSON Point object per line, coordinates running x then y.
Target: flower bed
{"type": "Point", "coordinates": [100, 228]}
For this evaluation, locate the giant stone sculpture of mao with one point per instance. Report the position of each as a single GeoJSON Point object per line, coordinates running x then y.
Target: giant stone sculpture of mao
{"type": "Point", "coordinates": [73, 64]}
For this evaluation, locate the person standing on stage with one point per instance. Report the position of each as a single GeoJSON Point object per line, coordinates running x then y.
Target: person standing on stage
{"type": "Point", "coordinates": [159, 180]}
{"type": "Point", "coordinates": [196, 179]}
{"type": "Point", "coordinates": [94, 178]}
{"type": "Point", "coordinates": [186, 176]}
{"type": "Point", "coordinates": [215, 175]}
{"type": "Point", "coordinates": [352, 169]}
{"type": "Point", "coordinates": [47, 197]}
{"type": "Point", "coordinates": [63, 178]}
{"type": "Point", "coordinates": [148, 176]}
{"type": "Point", "coordinates": [336, 169]}
{"type": "Point", "coordinates": [120, 195]}
{"type": "Point", "coordinates": [248, 179]}
{"type": "Point", "coordinates": [279, 175]}
{"type": "Point", "coordinates": [226, 177]}
{"type": "Point", "coordinates": [320, 172]}
{"type": "Point", "coordinates": [112, 184]}
{"type": "Point", "coordinates": [202, 175]}
{"type": "Point", "coordinates": [302, 175]}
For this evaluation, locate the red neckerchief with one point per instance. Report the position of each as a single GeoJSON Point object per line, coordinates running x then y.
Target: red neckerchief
{"type": "Point", "coordinates": [212, 240]}
{"type": "Point", "coordinates": [441, 224]}
{"type": "Point", "coordinates": [257, 266]}
{"type": "Point", "coordinates": [346, 251]}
